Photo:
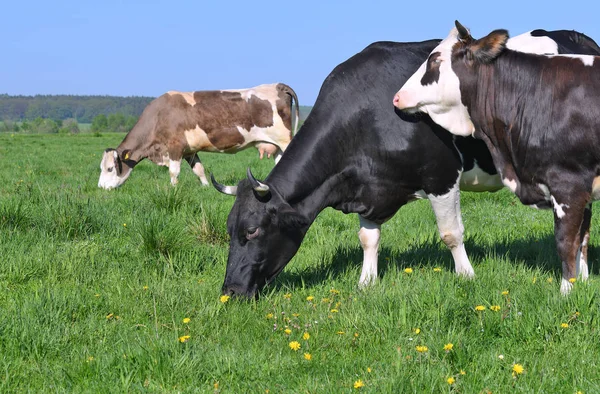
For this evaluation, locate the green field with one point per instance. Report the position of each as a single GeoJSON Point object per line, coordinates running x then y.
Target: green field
{"type": "Point", "coordinates": [95, 286]}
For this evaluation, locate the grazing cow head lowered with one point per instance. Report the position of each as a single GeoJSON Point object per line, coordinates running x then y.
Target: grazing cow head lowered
{"type": "Point", "coordinates": [265, 233]}
{"type": "Point", "coordinates": [115, 168]}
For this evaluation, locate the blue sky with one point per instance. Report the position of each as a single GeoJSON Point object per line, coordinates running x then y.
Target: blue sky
{"type": "Point", "coordinates": [135, 48]}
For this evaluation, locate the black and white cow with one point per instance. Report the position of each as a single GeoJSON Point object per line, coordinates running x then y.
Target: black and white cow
{"type": "Point", "coordinates": [355, 153]}
{"type": "Point", "coordinates": [537, 115]}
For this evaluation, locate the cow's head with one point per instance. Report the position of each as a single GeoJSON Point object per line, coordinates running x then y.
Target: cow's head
{"type": "Point", "coordinates": [115, 168]}
{"type": "Point", "coordinates": [435, 87]}
{"type": "Point", "coordinates": [265, 233]}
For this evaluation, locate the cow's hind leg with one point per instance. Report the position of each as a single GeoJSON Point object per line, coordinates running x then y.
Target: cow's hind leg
{"type": "Point", "coordinates": [197, 168]}
{"type": "Point", "coordinates": [369, 235]}
{"type": "Point", "coordinates": [174, 168]}
{"type": "Point", "coordinates": [449, 221]}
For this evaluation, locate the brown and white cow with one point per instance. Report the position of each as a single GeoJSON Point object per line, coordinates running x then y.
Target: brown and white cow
{"type": "Point", "coordinates": [537, 114]}
{"type": "Point", "coordinates": [177, 125]}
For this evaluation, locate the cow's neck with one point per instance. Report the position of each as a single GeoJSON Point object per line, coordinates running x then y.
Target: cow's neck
{"type": "Point", "coordinates": [311, 174]}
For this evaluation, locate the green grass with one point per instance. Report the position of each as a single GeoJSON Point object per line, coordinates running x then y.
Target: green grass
{"type": "Point", "coordinates": [94, 286]}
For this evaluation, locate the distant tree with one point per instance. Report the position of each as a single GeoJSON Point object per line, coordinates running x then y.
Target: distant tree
{"type": "Point", "coordinates": [99, 123]}
{"type": "Point", "coordinates": [26, 126]}
{"type": "Point", "coordinates": [7, 125]}
{"type": "Point", "coordinates": [48, 126]}
{"type": "Point", "coordinates": [116, 122]}
{"type": "Point", "coordinates": [130, 122]}
{"type": "Point", "coordinates": [69, 126]}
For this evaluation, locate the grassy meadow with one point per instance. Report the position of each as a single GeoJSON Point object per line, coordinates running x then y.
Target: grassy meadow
{"type": "Point", "coordinates": [119, 291]}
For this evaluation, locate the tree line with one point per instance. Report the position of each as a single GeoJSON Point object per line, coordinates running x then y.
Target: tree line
{"type": "Point", "coordinates": [60, 107]}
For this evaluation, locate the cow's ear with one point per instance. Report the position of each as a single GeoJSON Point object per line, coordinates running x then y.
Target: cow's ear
{"type": "Point", "coordinates": [488, 48]}
{"type": "Point", "coordinates": [126, 155]}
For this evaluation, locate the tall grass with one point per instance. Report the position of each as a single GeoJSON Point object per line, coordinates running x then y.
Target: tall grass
{"type": "Point", "coordinates": [95, 286]}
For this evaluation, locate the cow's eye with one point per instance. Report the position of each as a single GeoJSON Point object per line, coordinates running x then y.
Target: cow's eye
{"type": "Point", "coordinates": [109, 169]}
{"type": "Point", "coordinates": [252, 232]}
{"type": "Point", "coordinates": [437, 60]}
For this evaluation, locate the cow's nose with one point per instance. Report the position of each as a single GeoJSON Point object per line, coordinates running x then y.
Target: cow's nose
{"type": "Point", "coordinates": [396, 100]}
{"type": "Point", "coordinates": [402, 100]}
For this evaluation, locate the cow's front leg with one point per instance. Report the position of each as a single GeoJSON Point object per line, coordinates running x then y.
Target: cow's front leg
{"type": "Point", "coordinates": [369, 235]}
{"type": "Point", "coordinates": [197, 168]}
{"type": "Point", "coordinates": [449, 221]}
{"type": "Point", "coordinates": [174, 168]}
{"type": "Point", "coordinates": [584, 233]}
{"type": "Point", "coordinates": [568, 223]}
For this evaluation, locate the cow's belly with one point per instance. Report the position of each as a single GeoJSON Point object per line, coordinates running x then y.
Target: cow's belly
{"type": "Point", "coordinates": [477, 180]}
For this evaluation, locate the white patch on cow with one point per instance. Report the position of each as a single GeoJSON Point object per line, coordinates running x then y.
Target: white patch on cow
{"type": "Point", "coordinates": [558, 208]}
{"type": "Point", "coordinates": [477, 180]}
{"type": "Point", "coordinates": [369, 235]}
{"type": "Point", "coordinates": [587, 60]}
{"type": "Point", "coordinates": [582, 265]}
{"type": "Point", "coordinates": [544, 190]}
{"type": "Point", "coordinates": [420, 195]}
{"type": "Point", "coordinates": [511, 184]}
{"type": "Point", "coordinates": [109, 179]}
{"type": "Point", "coordinates": [449, 221]}
{"type": "Point", "coordinates": [197, 140]}
{"type": "Point", "coordinates": [188, 96]}
{"type": "Point", "coordinates": [565, 286]}
{"type": "Point", "coordinates": [174, 169]}
{"type": "Point", "coordinates": [529, 44]}
{"type": "Point", "coordinates": [596, 188]}
{"type": "Point", "coordinates": [442, 99]}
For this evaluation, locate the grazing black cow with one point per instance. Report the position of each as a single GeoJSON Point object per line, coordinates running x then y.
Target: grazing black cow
{"type": "Point", "coordinates": [356, 154]}
{"type": "Point", "coordinates": [538, 116]}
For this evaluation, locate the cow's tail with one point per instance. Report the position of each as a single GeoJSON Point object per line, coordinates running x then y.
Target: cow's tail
{"type": "Point", "coordinates": [290, 91]}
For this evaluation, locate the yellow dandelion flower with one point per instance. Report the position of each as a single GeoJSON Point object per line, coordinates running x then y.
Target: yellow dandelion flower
{"type": "Point", "coordinates": [306, 336]}
{"type": "Point", "coordinates": [422, 349]}
{"type": "Point", "coordinates": [186, 320]}
{"type": "Point", "coordinates": [564, 325]}
{"type": "Point", "coordinates": [495, 308]}
{"type": "Point", "coordinates": [577, 313]}
{"type": "Point", "coordinates": [294, 345]}
{"type": "Point", "coordinates": [462, 372]}
{"type": "Point", "coordinates": [310, 298]}
{"type": "Point", "coordinates": [340, 332]}
{"type": "Point", "coordinates": [334, 291]}
{"type": "Point", "coordinates": [358, 384]}
{"type": "Point", "coordinates": [269, 315]}
{"type": "Point", "coordinates": [408, 270]}
{"type": "Point", "coordinates": [572, 280]}
{"type": "Point", "coordinates": [355, 335]}
{"type": "Point", "coordinates": [450, 380]}
{"type": "Point", "coordinates": [287, 331]}
{"type": "Point", "coordinates": [287, 296]}
{"type": "Point", "coordinates": [89, 359]}
{"type": "Point", "coordinates": [549, 280]}
{"type": "Point", "coordinates": [124, 224]}
{"type": "Point", "coordinates": [216, 385]}
{"type": "Point", "coordinates": [437, 269]}
{"type": "Point", "coordinates": [109, 316]}
{"type": "Point", "coordinates": [334, 311]}
{"type": "Point", "coordinates": [518, 369]}
{"type": "Point", "coordinates": [325, 300]}
{"type": "Point", "coordinates": [417, 331]}
{"type": "Point", "coordinates": [307, 356]}
{"type": "Point", "coordinates": [145, 287]}
{"type": "Point", "coordinates": [480, 308]}
{"type": "Point", "coordinates": [184, 338]}
{"type": "Point", "coordinates": [96, 295]}
{"type": "Point", "coordinates": [369, 370]}
{"type": "Point", "coordinates": [534, 279]}
{"type": "Point", "coordinates": [448, 347]}
{"type": "Point", "coordinates": [224, 298]}
{"type": "Point", "coordinates": [295, 314]}
{"type": "Point", "coordinates": [505, 293]}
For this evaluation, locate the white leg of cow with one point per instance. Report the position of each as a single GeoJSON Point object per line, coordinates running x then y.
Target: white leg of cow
{"type": "Point", "coordinates": [582, 253]}
{"type": "Point", "coordinates": [369, 239]}
{"type": "Point", "coordinates": [174, 168]}
{"type": "Point", "coordinates": [197, 168]}
{"type": "Point", "coordinates": [449, 221]}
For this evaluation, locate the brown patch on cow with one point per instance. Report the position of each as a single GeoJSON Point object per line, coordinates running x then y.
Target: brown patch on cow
{"type": "Point", "coordinates": [488, 48]}
{"type": "Point", "coordinates": [285, 95]}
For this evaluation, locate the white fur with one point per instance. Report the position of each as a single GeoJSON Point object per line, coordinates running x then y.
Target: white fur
{"type": "Point", "coordinates": [529, 44]}
{"type": "Point", "coordinates": [511, 184]}
{"type": "Point", "coordinates": [369, 235]}
{"type": "Point", "coordinates": [110, 179]}
{"type": "Point", "coordinates": [558, 208]}
{"type": "Point", "coordinates": [449, 221]}
{"type": "Point", "coordinates": [587, 60]}
{"type": "Point", "coordinates": [565, 286]}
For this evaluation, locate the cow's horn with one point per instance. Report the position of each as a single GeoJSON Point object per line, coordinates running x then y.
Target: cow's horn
{"type": "Point", "coordinates": [463, 32]}
{"type": "Point", "coordinates": [231, 190]}
{"type": "Point", "coordinates": [257, 185]}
